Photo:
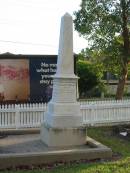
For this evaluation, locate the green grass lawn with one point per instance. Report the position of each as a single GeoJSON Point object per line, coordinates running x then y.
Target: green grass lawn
{"type": "Point", "coordinates": [119, 146]}
{"type": "Point", "coordinates": [106, 137]}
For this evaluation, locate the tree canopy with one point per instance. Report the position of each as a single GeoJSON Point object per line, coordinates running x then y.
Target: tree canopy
{"type": "Point", "coordinates": [106, 25]}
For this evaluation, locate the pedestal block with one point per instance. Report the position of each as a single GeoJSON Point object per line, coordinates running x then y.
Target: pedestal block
{"type": "Point", "coordinates": [63, 110]}
{"type": "Point", "coordinates": [63, 137]}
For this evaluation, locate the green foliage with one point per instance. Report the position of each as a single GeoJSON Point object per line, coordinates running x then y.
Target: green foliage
{"type": "Point", "coordinates": [106, 25]}
{"type": "Point", "coordinates": [109, 58]}
{"type": "Point", "coordinates": [90, 76]}
{"type": "Point", "coordinates": [113, 56]}
{"type": "Point", "coordinates": [129, 70]}
{"type": "Point", "coordinates": [99, 21]}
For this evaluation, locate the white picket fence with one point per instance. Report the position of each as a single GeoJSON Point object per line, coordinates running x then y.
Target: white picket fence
{"type": "Point", "coordinates": [94, 113]}
{"type": "Point", "coordinates": [102, 113]}
{"type": "Point", "coordinates": [22, 115]}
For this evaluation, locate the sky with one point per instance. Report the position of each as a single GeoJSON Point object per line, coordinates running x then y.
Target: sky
{"type": "Point", "coordinates": [33, 26]}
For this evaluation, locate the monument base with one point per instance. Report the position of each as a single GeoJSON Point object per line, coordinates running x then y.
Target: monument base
{"type": "Point", "coordinates": [63, 137]}
{"type": "Point", "coordinates": [30, 151]}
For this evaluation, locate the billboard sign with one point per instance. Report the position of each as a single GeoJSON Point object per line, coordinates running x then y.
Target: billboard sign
{"type": "Point", "coordinates": [26, 78]}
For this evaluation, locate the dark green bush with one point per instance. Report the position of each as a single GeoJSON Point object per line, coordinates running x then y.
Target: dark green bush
{"type": "Point", "coordinates": [89, 78]}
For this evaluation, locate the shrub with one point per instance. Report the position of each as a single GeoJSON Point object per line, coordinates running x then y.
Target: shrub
{"type": "Point", "coordinates": [89, 78]}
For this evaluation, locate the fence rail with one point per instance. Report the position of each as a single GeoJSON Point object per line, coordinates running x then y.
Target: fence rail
{"type": "Point", "coordinates": [94, 113]}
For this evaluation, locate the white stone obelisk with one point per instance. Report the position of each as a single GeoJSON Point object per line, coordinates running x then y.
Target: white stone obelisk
{"type": "Point", "coordinates": [63, 122]}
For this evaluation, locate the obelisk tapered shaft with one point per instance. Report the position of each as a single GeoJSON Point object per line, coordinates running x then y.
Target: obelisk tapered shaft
{"type": "Point", "coordinates": [65, 64]}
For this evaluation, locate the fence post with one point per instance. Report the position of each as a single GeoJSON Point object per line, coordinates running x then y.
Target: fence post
{"type": "Point", "coordinates": [17, 116]}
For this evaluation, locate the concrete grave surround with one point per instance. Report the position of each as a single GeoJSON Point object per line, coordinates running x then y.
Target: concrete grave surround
{"type": "Point", "coordinates": [16, 150]}
{"type": "Point", "coordinates": [63, 121]}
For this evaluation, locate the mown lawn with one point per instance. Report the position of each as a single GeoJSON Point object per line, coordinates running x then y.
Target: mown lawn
{"type": "Point", "coordinates": [105, 135]}
{"type": "Point", "coordinates": [119, 164]}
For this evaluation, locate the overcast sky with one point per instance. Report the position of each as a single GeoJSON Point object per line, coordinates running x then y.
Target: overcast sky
{"type": "Point", "coordinates": [32, 26]}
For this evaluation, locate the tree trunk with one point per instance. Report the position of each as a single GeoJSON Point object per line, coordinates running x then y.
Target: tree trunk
{"type": "Point", "coordinates": [126, 50]}
{"type": "Point", "coordinates": [121, 83]}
